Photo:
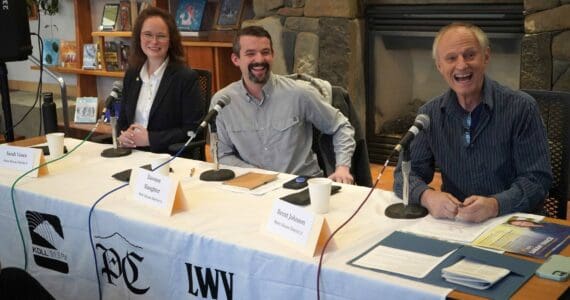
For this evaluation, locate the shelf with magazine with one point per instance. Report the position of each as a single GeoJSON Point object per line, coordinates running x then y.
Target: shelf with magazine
{"type": "Point", "coordinates": [210, 52]}
{"type": "Point", "coordinates": [86, 12]}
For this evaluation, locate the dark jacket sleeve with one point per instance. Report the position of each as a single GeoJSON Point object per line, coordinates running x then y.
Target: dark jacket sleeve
{"type": "Point", "coordinates": [360, 164]}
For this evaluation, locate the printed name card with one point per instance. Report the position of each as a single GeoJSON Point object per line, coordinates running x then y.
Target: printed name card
{"type": "Point", "coordinates": [158, 191]}
{"type": "Point", "coordinates": [23, 159]}
{"type": "Point", "coordinates": [298, 227]}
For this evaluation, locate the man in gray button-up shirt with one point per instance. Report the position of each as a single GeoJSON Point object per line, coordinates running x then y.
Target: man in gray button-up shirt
{"type": "Point", "coordinates": [269, 123]}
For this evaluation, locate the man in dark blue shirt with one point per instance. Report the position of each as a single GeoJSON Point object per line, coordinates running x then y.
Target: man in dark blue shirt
{"type": "Point", "coordinates": [488, 141]}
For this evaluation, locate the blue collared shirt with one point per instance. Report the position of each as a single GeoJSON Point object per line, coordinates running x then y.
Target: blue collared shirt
{"type": "Point", "coordinates": [507, 157]}
{"type": "Point", "coordinates": [276, 132]}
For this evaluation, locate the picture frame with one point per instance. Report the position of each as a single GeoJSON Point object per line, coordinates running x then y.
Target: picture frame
{"type": "Point", "coordinates": [228, 14]}
{"type": "Point", "coordinates": [109, 16]}
{"type": "Point", "coordinates": [189, 14]}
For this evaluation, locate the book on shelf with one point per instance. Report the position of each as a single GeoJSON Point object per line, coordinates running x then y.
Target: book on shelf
{"type": "Point", "coordinates": [144, 5]}
{"type": "Point", "coordinates": [526, 236]}
{"type": "Point", "coordinates": [112, 56]}
{"type": "Point", "coordinates": [189, 14]}
{"type": "Point", "coordinates": [86, 110]}
{"type": "Point", "coordinates": [109, 17]}
{"type": "Point", "coordinates": [51, 49]}
{"type": "Point", "coordinates": [124, 52]}
{"type": "Point", "coordinates": [90, 56]}
{"type": "Point", "coordinates": [134, 12]}
{"type": "Point", "coordinates": [68, 54]}
{"type": "Point", "coordinates": [124, 18]}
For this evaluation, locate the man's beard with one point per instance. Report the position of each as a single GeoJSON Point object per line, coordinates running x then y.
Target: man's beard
{"type": "Point", "coordinates": [256, 79]}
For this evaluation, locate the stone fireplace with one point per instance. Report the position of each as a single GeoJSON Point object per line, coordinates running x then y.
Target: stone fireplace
{"type": "Point", "coordinates": [388, 71]}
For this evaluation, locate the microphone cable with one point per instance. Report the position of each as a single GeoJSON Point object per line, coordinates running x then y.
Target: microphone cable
{"type": "Point", "coordinates": [348, 220]}
{"type": "Point", "coordinates": [12, 189]}
{"type": "Point", "coordinates": [38, 89]}
{"type": "Point", "coordinates": [177, 154]}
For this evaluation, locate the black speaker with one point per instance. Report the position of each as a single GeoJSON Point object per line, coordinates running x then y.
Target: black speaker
{"type": "Point", "coordinates": [14, 30]}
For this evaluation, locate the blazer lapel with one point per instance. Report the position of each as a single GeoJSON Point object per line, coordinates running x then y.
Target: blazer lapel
{"type": "Point", "coordinates": [162, 90]}
{"type": "Point", "coordinates": [136, 88]}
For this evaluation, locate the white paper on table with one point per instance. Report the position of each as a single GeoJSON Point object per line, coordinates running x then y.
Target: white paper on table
{"type": "Point", "coordinates": [455, 231]}
{"type": "Point", "coordinates": [404, 262]}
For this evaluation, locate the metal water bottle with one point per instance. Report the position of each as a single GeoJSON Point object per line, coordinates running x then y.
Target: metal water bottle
{"type": "Point", "coordinates": [49, 113]}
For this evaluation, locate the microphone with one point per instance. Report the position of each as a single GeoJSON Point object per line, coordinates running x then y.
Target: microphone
{"type": "Point", "coordinates": [421, 122]}
{"type": "Point", "coordinates": [224, 100]}
{"type": "Point", "coordinates": [216, 174]}
{"type": "Point", "coordinates": [114, 96]}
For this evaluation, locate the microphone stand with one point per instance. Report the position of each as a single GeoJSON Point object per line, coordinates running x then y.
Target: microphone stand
{"type": "Point", "coordinates": [115, 151]}
{"type": "Point", "coordinates": [405, 210]}
{"type": "Point", "coordinates": [216, 174]}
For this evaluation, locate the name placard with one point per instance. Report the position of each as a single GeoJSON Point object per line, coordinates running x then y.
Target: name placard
{"type": "Point", "coordinates": [22, 159]}
{"type": "Point", "coordinates": [158, 191]}
{"type": "Point", "coordinates": [297, 227]}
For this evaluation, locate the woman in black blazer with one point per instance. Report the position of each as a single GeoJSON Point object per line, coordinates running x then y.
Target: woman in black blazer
{"type": "Point", "coordinates": [161, 95]}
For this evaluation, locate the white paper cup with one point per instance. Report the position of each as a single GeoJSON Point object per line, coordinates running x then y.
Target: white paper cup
{"type": "Point", "coordinates": [320, 193]}
{"type": "Point", "coordinates": [55, 144]}
{"type": "Point", "coordinates": [157, 161]}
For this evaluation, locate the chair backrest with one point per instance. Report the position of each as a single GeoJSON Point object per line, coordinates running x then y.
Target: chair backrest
{"type": "Point", "coordinates": [197, 148]}
{"type": "Point", "coordinates": [205, 83]}
{"type": "Point", "coordinates": [555, 111]}
{"type": "Point", "coordinates": [322, 143]}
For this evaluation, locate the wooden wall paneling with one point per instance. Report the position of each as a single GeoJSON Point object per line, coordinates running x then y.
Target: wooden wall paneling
{"type": "Point", "coordinates": [227, 72]}
{"type": "Point", "coordinates": [200, 57]}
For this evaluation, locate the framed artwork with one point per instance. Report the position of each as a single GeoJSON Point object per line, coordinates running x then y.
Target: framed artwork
{"type": "Point", "coordinates": [109, 16]}
{"type": "Point", "coordinates": [189, 14]}
{"type": "Point", "coordinates": [228, 14]}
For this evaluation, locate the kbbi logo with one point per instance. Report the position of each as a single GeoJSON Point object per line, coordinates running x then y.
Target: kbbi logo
{"type": "Point", "coordinates": [121, 262]}
{"type": "Point", "coordinates": [47, 240]}
{"type": "Point", "coordinates": [204, 279]}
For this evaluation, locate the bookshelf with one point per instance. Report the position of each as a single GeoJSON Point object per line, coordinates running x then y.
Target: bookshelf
{"type": "Point", "coordinates": [210, 53]}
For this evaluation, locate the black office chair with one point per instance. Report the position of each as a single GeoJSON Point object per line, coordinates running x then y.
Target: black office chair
{"type": "Point", "coordinates": [555, 111]}
{"type": "Point", "coordinates": [197, 148]}
{"type": "Point", "coordinates": [322, 143]}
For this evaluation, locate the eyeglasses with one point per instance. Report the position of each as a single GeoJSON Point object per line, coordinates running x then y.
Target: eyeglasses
{"type": "Point", "coordinates": [147, 36]}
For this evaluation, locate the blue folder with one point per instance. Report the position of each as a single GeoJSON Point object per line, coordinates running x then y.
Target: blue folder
{"type": "Point", "coordinates": [521, 270]}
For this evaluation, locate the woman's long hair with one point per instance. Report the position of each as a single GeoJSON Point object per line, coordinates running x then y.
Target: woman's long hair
{"type": "Point", "coordinates": [175, 50]}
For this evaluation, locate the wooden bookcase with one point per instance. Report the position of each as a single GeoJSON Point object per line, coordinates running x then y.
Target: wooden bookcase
{"type": "Point", "coordinates": [211, 53]}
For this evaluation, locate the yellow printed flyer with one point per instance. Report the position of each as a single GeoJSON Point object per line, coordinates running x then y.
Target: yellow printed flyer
{"type": "Point", "coordinates": [526, 236]}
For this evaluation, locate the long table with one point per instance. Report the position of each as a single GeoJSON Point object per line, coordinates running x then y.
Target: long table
{"type": "Point", "coordinates": [214, 249]}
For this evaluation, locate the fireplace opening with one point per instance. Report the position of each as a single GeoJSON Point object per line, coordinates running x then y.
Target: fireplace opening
{"type": "Point", "coordinates": [401, 74]}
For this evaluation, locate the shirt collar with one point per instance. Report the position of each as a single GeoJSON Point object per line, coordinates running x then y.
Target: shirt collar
{"type": "Point", "coordinates": [145, 77]}
{"type": "Point", "coordinates": [450, 97]}
{"type": "Point", "coordinates": [266, 90]}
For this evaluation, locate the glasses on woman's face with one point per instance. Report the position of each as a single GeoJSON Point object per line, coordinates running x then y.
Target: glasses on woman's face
{"type": "Point", "coordinates": [148, 36]}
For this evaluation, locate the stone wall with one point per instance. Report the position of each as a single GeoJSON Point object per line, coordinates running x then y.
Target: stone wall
{"type": "Point", "coordinates": [545, 61]}
{"type": "Point", "coordinates": [322, 38]}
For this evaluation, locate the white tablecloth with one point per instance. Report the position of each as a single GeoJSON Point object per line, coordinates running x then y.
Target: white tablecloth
{"type": "Point", "coordinates": [214, 249]}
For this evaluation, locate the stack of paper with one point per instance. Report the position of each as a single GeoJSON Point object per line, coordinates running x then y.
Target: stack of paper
{"type": "Point", "coordinates": [472, 274]}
